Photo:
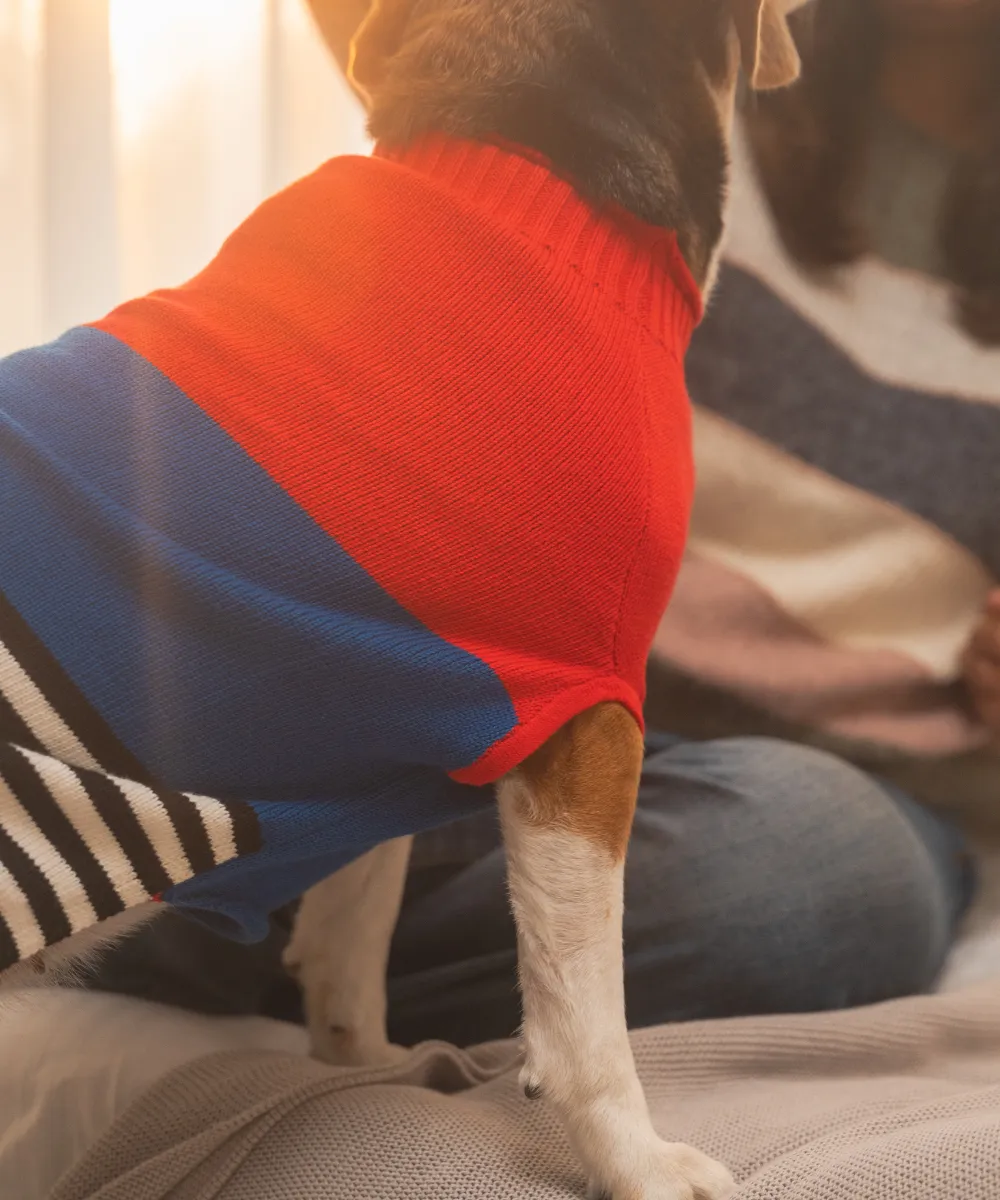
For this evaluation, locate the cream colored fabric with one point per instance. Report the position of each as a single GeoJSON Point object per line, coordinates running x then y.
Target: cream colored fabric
{"type": "Point", "coordinates": [73, 1062]}
{"type": "Point", "coordinates": [897, 1102]}
{"type": "Point", "coordinates": [839, 560]}
{"type": "Point", "coordinates": [725, 629]}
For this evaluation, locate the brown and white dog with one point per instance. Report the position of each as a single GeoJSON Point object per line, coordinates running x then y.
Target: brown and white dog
{"type": "Point", "coordinates": [648, 131]}
{"type": "Point", "coordinates": [632, 101]}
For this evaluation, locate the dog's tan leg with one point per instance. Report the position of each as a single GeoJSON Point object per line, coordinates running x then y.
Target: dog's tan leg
{"type": "Point", "coordinates": [567, 816]}
{"type": "Point", "coordinates": [339, 952]}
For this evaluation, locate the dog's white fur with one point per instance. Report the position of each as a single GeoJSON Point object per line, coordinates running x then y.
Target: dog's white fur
{"type": "Point", "coordinates": [567, 895]}
{"type": "Point", "coordinates": [339, 953]}
{"type": "Point", "coordinates": [64, 963]}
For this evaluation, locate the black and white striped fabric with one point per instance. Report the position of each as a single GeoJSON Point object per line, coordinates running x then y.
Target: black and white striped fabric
{"type": "Point", "coordinates": [84, 833]}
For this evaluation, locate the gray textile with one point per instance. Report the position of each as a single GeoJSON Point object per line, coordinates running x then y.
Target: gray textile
{"type": "Point", "coordinates": [896, 1102]}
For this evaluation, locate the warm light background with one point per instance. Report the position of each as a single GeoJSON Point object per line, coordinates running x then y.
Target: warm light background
{"type": "Point", "coordinates": [135, 134]}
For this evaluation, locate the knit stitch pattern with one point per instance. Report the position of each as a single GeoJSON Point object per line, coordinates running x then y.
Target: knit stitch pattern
{"type": "Point", "coordinates": [338, 533]}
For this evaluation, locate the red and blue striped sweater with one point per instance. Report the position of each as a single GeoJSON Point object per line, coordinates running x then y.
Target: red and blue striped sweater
{"type": "Point", "coordinates": [303, 555]}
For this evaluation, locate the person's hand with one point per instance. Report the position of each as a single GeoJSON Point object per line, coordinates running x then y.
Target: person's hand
{"type": "Point", "coordinates": [981, 665]}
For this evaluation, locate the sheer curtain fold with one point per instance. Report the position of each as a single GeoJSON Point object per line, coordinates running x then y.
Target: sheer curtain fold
{"type": "Point", "coordinates": [134, 136]}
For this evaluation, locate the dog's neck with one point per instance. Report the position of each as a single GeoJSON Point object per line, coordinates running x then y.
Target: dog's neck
{"type": "Point", "coordinates": [621, 126]}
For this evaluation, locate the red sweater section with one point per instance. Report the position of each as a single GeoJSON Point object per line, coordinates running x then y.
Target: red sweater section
{"type": "Point", "coordinates": [472, 380]}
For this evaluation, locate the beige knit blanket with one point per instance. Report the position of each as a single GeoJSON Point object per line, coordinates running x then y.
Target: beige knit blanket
{"type": "Point", "coordinates": [896, 1102]}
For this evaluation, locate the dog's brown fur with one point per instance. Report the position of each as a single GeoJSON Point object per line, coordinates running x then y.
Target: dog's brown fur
{"type": "Point", "coordinates": [585, 779]}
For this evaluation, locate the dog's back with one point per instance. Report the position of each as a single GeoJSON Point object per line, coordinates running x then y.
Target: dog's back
{"type": "Point", "coordinates": [368, 503]}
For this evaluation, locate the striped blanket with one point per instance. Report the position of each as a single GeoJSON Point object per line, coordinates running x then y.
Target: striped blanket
{"type": "Point", "coordinates": [846, 530]}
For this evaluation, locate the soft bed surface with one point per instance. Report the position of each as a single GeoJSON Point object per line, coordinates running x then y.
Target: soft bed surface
{"type": "Point", "coordinates": [898, 1101]}
{"type": "Point", "coordinates": [122, 1099]}
{"type": "Point", "coordinates": [71, 1063]}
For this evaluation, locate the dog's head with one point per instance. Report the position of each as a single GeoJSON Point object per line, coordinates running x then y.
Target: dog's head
{"type": "Point", "coordinates": [720, 34]}
{"type": "Point", "coordinates": [632, 98]}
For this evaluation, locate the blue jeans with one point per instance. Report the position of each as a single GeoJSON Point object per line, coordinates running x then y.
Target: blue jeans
{"type": "Point", "coordinates": [762, 877]}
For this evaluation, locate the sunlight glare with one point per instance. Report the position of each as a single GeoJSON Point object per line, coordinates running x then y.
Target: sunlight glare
{"type": "Point", "coordinates": [156, 49]}
{"type": "Point", "coordinates": [20, 51]}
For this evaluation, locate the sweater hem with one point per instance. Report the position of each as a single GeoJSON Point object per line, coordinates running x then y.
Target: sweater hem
{"type": "Point", "coordinates": [525, 738]}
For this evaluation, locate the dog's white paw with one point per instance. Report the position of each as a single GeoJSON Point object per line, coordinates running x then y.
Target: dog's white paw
{"type": "Point", "coordinates": [342, 1031]}
{"type": "Point", "coordinates": [343, 1048]}
{"type": "Point", "coordinates": [664, 1171]}
{"type": "Point", "coordinates": [340, 1041]}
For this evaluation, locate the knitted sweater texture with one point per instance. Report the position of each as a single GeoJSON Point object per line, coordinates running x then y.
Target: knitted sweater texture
{"type": "Point", "coordinates": [301, 555]}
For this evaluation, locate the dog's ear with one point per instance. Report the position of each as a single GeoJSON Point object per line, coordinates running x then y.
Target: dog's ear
{"type": "Point", "coordinates": [376, 41]}
{"type": "Point", "coordinates": [770, 58]}
{"type": "Point", "coordinates": [337, 21]}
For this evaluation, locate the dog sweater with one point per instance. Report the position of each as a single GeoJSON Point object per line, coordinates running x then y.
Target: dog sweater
{"type": "Point", "coordinates": [303, 555]}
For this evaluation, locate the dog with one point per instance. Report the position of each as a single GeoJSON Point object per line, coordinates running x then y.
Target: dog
{"type": "Point", "coordinates": [472, 412]}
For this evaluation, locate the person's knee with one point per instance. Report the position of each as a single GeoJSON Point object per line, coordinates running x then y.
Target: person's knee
{"type": "Point", "coordinates": [794, 881]}
{"type": "Point", "coordinates": [776, 776]}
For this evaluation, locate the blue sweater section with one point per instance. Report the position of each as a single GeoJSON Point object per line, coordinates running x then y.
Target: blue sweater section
{"type": "Point", "coordinates": [231, 645]}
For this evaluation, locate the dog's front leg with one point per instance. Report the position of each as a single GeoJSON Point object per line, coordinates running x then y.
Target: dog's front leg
{"type": "Point", "coordinates": [567, 816]}
{"type": "Point", "coordinates": [339, 952]}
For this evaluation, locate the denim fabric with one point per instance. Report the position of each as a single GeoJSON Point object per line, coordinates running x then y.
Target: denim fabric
{"type": "Point", "coordinates": [762, 877]}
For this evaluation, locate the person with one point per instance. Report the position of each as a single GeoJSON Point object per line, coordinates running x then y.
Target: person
{"type": "Point", "coordinates": [840, 587]}
{"type": "Point", "coordinates": [830, 666]}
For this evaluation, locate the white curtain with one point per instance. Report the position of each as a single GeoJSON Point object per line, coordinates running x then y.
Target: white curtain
{"type": "Point", "coordinates": [136, 134]}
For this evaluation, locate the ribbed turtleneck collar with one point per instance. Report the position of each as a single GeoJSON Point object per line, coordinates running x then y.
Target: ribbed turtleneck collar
{"type": "Point", "coordinates": [639, 266]}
